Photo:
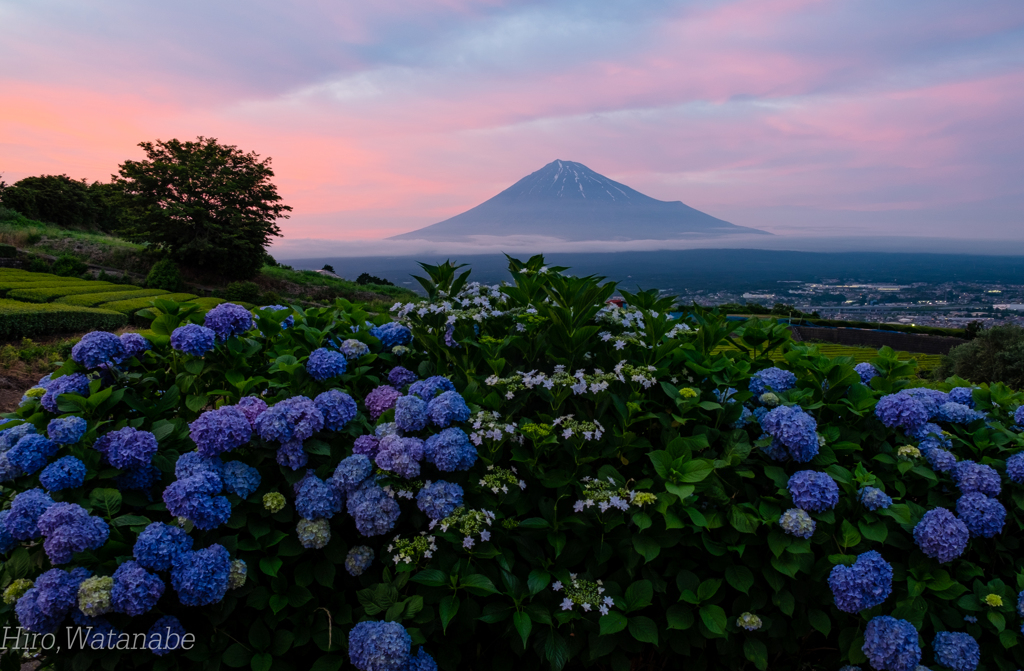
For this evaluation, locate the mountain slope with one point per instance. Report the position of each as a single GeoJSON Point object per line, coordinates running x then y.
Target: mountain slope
{"type": "Point", "coordinates": [570, 201]}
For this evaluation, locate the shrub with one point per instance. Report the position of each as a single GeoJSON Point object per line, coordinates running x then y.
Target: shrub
{"type": "Point", "coordinates": [131, 306]}
{"type": "Point", "coordinates": [328, 267]}
{"type": "Point", "coordinates": [40, 284]}
{"type": "Point", "coordinates": [994, 355]}
{"type": "Point", "coordinates": [38, 264]}
{"type": "Point", "coordinates": [242, 291]}
{"type": "Point", "coordinates": [44, 295]}
{"type": "Point", "coordinates": [366, 278]}
{"type": "Point", "coordinates": [19, 319]}
{"type": "Point", "coordinates": [8, 251]}
{"type": "Point", "coordinates": [97, 298]}
{"type": "Point", "coordinates": [164, 275]}
{"type": "Point", "coordinates": [67, 265]}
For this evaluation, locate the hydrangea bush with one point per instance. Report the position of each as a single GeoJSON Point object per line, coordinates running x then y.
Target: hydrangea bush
{"type": "Point", "coordinates": [508, 477]}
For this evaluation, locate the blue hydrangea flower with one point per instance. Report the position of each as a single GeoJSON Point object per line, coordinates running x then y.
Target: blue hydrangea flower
{"type": "Point", "coordinates": [954, 413]}
{"type": "Point", "coordinates": [374, 512]}
{"type": "Point", "coordinates": [69, 528]}
{"type": "Point", "coordinates": [353, 349]}
{"type": "Point", "coordinates": [292, 455]}
{"type": "Point", "coordinates": [134, 344]}
{"type": "Point", "coordinates": [193, 339]}
{"type": "Point", "coordinates": [450, 450]}
{"type": "Point", "coordinates": [957, 650]}
{"type": "Point", "coordinates": [392, 334]}
{"type": "Point", "coordinates": [891, 644]}
{"type": "Point", "coordinates": [446, 409]}
{"type": "Point", "coordinates": [201, 578]}
{"type": "Point", "coordinates": [970, 477]}
{"type": "Point", "coordinates": [293, 418]}
{"type": "Point", "coordinates": [252, 407]}
{"type": "Point", "coordinates": [7, 542]}
{"type": "Point", "coordinates": [10, 437]}
{"type": "Point", "coordinates": [228, 320]}
{"type": "Point", "coordinates": [351, 473]}
{"type": "Point", "coordinates": [814, 491]}
{"type": "Point", "coordinates": [796, 522]}
{"type": "Point", "coordinates": [141, 478]}
{"type": "Point", "coordinates": [902, 410]}
{"type": "Point", "coordinates": [195, 498]}
{"type": "Point", "coordinates": [358, 560]}
{"type": "Point", "coordinates": [366, 445]}
{"type": "Point", "coordinates": [1015, 468]}
{"type": "Point", "coordinates": [65, 473]}
{"type": "Point", "coordinates": [399, 377]}
{"type": "Point", "coordinates": [337, 407]}
{"type": "Point", "coordinates": [401, 456]}
{"type": "Point", "coordinates": [127, 447]}
{"type": "Point", "coordinates": [165, 635]}
{"type": "Point", "coordinates": [76, 383]}
{"type": "Point", "coordinates": [410, 413]}
{"type": "Point", "coordinates": [323, 364]}
{"type": "Point", "coordinates": [874, 498]}
{"type": "Point", "coordinates": [930, 398]}
{"type": "Point", "coordinates": [380, 400]}
{"type": "Point", "coordinates": [962, 395]}
{"type": "Point", "coordinates": [771, 379]}
{"type": "Point", "coordinates": [136, 590]}
{"type": "Point", "coordinates": [983, 516]}
{"type": "Point", "coordinates": [725, 396]}
{"type": "Point", "coordinates": [66, 430]}
{"type": "Point", "coordinates": [192, 463]}
{"type": "Point", "coordinates": [940, 460]}
{"type": "Point", "coordinates": [22, 521]}
{"type": "Point", "coordinates": [102, 633]}
{"type": "Point", "coordinates": [941, 536]}
{"type": "Point", "coordinates": [160, 546]}
{"type": "Point", "coordinates": [1018, 416]}
{"type": "Point", "coordinates": [386, 429]}
{"type": "Point", "coordinates": [864, 585]}
{"type": "Point", "coordinates": [746, 417]}
{"type": "Point", "coordinates": [240, 479]}
{"type": "Point", "coordinates": [1020, 604]}
{"type": "Point", "coordinates": [421, 662]}
{"type": "Point", "coordinates": [794, 429]}
{"type": "Point", "coordinates": [437, 500]}
{"type": "Point", "coordinates": [315, 499]}
{"type": "Point", "coordinates": [221, 430]}
{"type": "Point", "coordinates": [866, 371]}
{"type": "Point", "coordinates": [289, 321]}
{"type": "Point", "coordinates": [431, 387]}
{"type": "Point", "coordinates": [48, 602]}
{"type": "Point", "coordinates": [379, 646]}
{"type": "Point", "coordinates": [96, 348]}
{"type": "Point", "coordinates": [31, 453]}
{"type": "Point", "coordinates": [930, 431]}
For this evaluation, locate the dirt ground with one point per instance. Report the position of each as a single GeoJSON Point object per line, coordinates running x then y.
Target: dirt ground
{"type": "Point", "coordinates": [15, 380]}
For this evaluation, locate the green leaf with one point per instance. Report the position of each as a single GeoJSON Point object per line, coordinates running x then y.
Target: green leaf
{"type": "Point", "coordinates": [196, 402]}
{"type": "Point", "coordinates": [997, 620]}
{"type": "Point", "coordinates": [277, 602]}
{"type": "Point", "coordinates": [682, 491]}
{"type": "Point", "coordinates": [740, 578]}
{"type": "Point", "coordinates": [165, 324]}
{"type": "Point", "coordinates": [271, 565]}
{"type": "Point", "coordinates": [756, 651]}
{"type": "Point", "coordinates": [328, 663]}
{"type": "Point", "coordinates": [556, 650]}
{"type": "Point", "coordinates": [431, 578]}
{"type": "Point", "coordinates": [849, 536]}
{"type": "Point", "coordinates": [478, 584]}
{"type": "Point", "coordinates": [639, 595]}
{"type": "Point", "coordinates": [612, 623]}
{"type": "Point", "coordinates": [714, 618]}
{"type": "Point", "coordinates": [107, 501]}
{"type": "Point", "coordinates": [643, 629]}
{"type": "Point", "coordinates": [413, 605]}
{"type": "Point", "coordinates": [523, 624]}
{"type": "Point", "coordinates": [129, 521]}
{"type": "Point", "coordinates": [819, 620]}
{"type": "Point", "coordinates": [874, 532]}
{"type": "Point", "coordinates": [708, 588]}
{"type": "Point", "coordinates": [324, 573]}
{"type": "Point", "coordinates": [319, 447]}
{"type": "Point", "coordinates": [262, 662]}
{"type": "Point", "coordinates": [195, 366]}
{"type": "Point", "coordinates": [538, 580]}
{"type": "Point", "coordinates": [662, 461]}
{"type": "Point", "coordinates": [646, 546]}
{"type": "Point", "coordinates": [696, 470]}
{"type": "Point", "coordinates": [447, 609]}
{"type": "Point", "coordinates": [679, 617]}
{"type": "Point", "coordinates": [236, 656]}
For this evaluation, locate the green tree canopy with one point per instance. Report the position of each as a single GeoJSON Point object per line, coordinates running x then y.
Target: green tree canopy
{"type": "Point", "coordinates": [209, 205]}
{"type": "Point", "coordinates": [61, 200]}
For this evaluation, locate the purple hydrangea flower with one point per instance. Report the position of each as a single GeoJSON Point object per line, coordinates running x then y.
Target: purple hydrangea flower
{"type": "Point", "coordinates": [195, 498]}
{"type": "Point", "coordinates": [22, 521]}
{"type": "Point", "coordinates": [323, 364]}
{"type": "Point", "coordinates": [955, 413]}
{"type": "Point", "coordinates": [431, 387]}
{"type": "Point", "coordinates": [864, 585]}
{"type": "Point", "coordinates": [970, 477]}
{"type": "Point", "coordinates": [166, 635]}
{"type": "Point", "coordinates": [102, 636]}
{"type": "Point", "coordinates": [874, 498]}
{"type": "Point", "coordinates": [400, 456]}
{"type": "Point", "coordinates": [399, 377]}
{"type": "Point", "coordinates": [160, 546]}
{"type": "Point", "coordinates": [891, 644]}
{"type": "Point", "coordinates": [192, 463]}
{"type": "Point", "coordinates": [252, 407]}
{"type": "Point", "coordinates": [240, 479]}
{"type": "Point", "coordinates": [902, 410]}
{"type": "Point", "coordinates": [134, 344]}
{"type": "Point", "coordinates": [98, 347]}
{"type": "Point", "coordinates": [221, 430]}
{"type": "Point", "coordinates": [962, 395]}
{"type": "Point", "coordinates": [929, 431]}
{"type": "Point", "coordinates": [76, 383]}
{"type": "Point", "coordinates": [31, 453]}
{"type": "Point", "coordinates": [353, 349]}
{"type": "Point", "coordinates": [410, 413]}
{"type": "Point", "coordinates": [450, 450]}
{"type": "Point", "coordinates": [796, 522]}
{"type": "Point", "coordinates": [69, 528]}
{"type": "Point", "coordinates": [983, 516]}
{"type": "Point", "coordinates": [813, 491]}
{"type": "Point", "coordinates": [193, 339]}
{"type": "Point", "coordinates": [771, 379]}
{"type": "Point", "coordinates": [201, 578]}
{"type": "Point", "coordinates": [392, 334]}
{"type": "Point", "coordinates": [127, 447]}
{"type": "Point", "coordinates": [65, 473]}
{"type": "Point", "coordinates": [374, 512]}
{"type": "Point", "coordinates": [358, 560]}
{"type": "Point", "coordinates": [337, 407]}
{"type": "Point", "coordinates": [380, 400]}
{"type": "Point", "coordinates": [1015, 468]}
{"type": "Point", "coordinates": [379, 646]}
{"type": "Point", "coordinates": [957, 650]}
{"type": "Point", "coordinates": [228, 320]}
{"type": "Point", "coordinates": [437, 500]}
{"type": "Point", "coordinates": [136, 590]}
{"type": "Point", "coordinates": [421, 662]}
{"type": "Point", "coordinates": [941, 536]}
{"type": "Point", "coordinates": [794, 429]}
{"type": "Point", "coordinates": [351, 473]}
{"type": "Point", "coordinates": [315, 499]}
{"type": "Point", "coordinates": [940, 460]}
{"type": "Point", "coordinates": [55, 593]}
{"type": "Point", "coordinates": [289, 321]}
{"type": "Point", "coordinates": [66, 430]}
{"type": "Point", "coordinates": [930, 398]}
{"type": "Point", "coordinates": [293, 418]}
{"type": "Point", "coordinates": [292, 455]}
{"type": "Point", "coordinates": [366, 445]}
{"type": "Point", "coordinates": [866, 371]}
{"type": "Point", "coordinates": [447, 408]}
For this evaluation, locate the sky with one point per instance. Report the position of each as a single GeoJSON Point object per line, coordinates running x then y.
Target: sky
{"type": "Point", "coordinates": [810, 119]}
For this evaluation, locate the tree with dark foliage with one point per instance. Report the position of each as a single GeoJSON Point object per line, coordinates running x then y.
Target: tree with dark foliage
{"type": "Point", "coordinates": [65, 202]}
{"type": "Point", "coordinates": [367, 278]}
{"type": "Point", "coordinates": [994, 355]}
{"type": "Point", "coordinates": [210, 206]}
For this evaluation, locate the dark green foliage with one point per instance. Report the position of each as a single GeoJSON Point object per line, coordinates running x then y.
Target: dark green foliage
{"type": "Point", "coordinates": [19, 319]}
{"type": "Point", "coordinates": [270, 298]}
{"type": "Point", "coordinates": [47, 294]}
{"type": "Point", "coordinates": [973, 329]}
{"type": "Point", "coordinates": [247, 292]}
{"type": "Point", "coordinates": [995, 355]}
{"type": "Point", "coordinates": [269, 260]}
{"type": "Point", "coordinates": [328, 267]}
{"type": "Point", "coordinates": [164, 275]}
{"type": "Point", "coordinates": [123, 278]}
{"type": "Point", "coordinates": [95, 298]}
{"type": "Point", "coordinates": [132, 305]}
{"type": "Point", "coordinates": [367, 278]}
{"type": "Point", "coordinates": [68, 265]}
{"type": "Point", "coordinates": [38, 264]}
{"type": "Point", "coordinates": [8, 251]}
{"type": "Point", "coordinates": [210, 206]}
{"type": "Point", "coordinates": [66, 202]}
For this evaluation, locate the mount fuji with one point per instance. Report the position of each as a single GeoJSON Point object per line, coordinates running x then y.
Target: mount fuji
{"type": "Point", "coordinates": [568, 200]}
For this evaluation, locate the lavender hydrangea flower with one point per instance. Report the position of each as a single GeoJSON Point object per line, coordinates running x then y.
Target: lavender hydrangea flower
{"type": "Point", "coordinates": [864, 585]}
{"type": "Point", "coordinates": [358, 560]}
{"type": "Point", "coordinates": [252, 407]}
{"type": "Point", "coordinates": [23, 519]}
{"type": "Point", "coordinates": [292, 455]}
{"type": "Point", "coordinates": [66, 430]}
{"type": "Point", "coordinates": [353, 349]}
{"type": "Point", "coordinates": [902, 410]}
{"type": "Point", "coordinates": [794, 430]}
{"type": "Point", "coordinates": [228, 320]}
{"type": "Point", "coordinates": [771, 379]}
{"type": "Point", "coordinates": [447, 408]}
{"type": "Point", "coordinates": [400, 456]}
{"type": "Point", "coordinates": [957, 650]}
{"type": "Point", "coordinates": [315, 499]}
{"type": "Point", "coordinates": [374, 512]}
{"type": "Point", "coordinates": [240, 479]}
{"type": "Point", "coordinates": [970, 477]}
{"type": "Point", "coordinates": [891, 644]}
{"type": "Point", "coordinates": [65, 473]}
{"type": "Point", "coordinates": [134, 345]}
{"type": "Point", "coordinates": [96, 348]}
{"type": "Point", "coordinates": [195, 498]}
{"type": "Point", "coordinates": [983, 516]}
{"type": "Point", "coordinates": [392, 334]}
{"type": "Point", "coordinates": [962, 395]}
{"type": "Point", "coordinates": [323, 364]}
{"type": "Point", "coordinates": [76, 383]}
{"type": "Point", "coordinates": [411, 413]}
{"type": "Point", "coordinates": [31, 453]}
{"type": "Point", "coordinates": [166, 635]}
{"type": "Point", "coordinates": [399, 377]}
{"type": "Point", "coordinates": [796, 522]}
{"type": "Point", "coordinates": [437, 500]}
{"type": "Point", "coordinates": [366, 445]}
{"type": "Point", "coordinates": [941, 536]}
{"type": "Point", "coordinates": [42, 608]}
{"type": "Point", "coordinates": [69, 528]}
{"type": "Point", "coordinates": [288, 322]}
{"type": "Point", "coordinates": [351, 473]}
{"type": "Point", "coordinates": [379, 646]}
{"type": "Point", "coordinates": [160, 546]}
{"type": "Point", "coordinates": [813, 491]}
{"type": "Point", "coordinates": [380, 400]}
{"type": "Point", "coordinates": [386, 429]}
{"type": "Point", "coordinates": [450, 450]}
{"type": "Point", "coordinates": [337, 407]}
{"type": "Point", "coordinates": [867, 372]}
{"type": "Point", "coordinates": [293, 418]}
{"type": "Point", "coordinates": [127, 447]}
{"type": "Point", "coordinates": [431, 387]}
{"type": "Point", "coordinates": [193, 339]}
{"type": "Point", "coordinates": [221, 430]}
{"type": "Point", "coordinates": [201, 578]}
{"type": "Point", "coordinates": [1015, 468]}
{"type": "Point", "coordinates": [135, 590]}
{"type": "Point", "coordinates": [874, 498]}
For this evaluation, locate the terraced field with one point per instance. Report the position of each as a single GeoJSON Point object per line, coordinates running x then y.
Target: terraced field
{"type": "Point", "coordinates": [925, 362]}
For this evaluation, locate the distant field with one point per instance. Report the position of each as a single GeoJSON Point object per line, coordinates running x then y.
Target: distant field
{"type": "Point", "coordinates": [925, 362]}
